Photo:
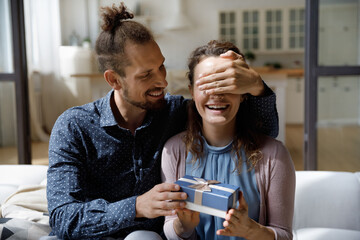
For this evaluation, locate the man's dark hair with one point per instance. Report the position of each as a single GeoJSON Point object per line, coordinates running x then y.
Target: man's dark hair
{"type": "Point", "coordinates": [117, 31]}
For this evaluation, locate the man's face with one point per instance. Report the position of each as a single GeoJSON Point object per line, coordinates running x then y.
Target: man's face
{"type": "Point", "coordinates": [144, 82]}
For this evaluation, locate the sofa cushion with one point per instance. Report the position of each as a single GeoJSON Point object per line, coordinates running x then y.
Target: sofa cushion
{"type": "Point", "coordinates": [28, 203]}
{"type": "Point", "coordinates": [326, 234]}
{"type": "Point", "coordinates": [327, 200]}
{"type": "Point", "coordinates": [11, 229]}
{"type": "Point", "coordinates": [13, 176]}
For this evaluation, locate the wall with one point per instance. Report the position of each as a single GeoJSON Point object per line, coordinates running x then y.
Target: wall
{"type": "Point", "coordinates": [176, 45]}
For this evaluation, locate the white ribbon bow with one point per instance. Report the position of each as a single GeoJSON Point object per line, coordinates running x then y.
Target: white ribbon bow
{"type": "Point", "coordinates": [203, 185]}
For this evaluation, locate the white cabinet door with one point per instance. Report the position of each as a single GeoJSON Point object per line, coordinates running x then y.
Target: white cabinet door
{"type": "Point", "coordinates": [265, 30]}
{"type": "Point", "coordinates": [338, 97]}
{"type": "Point", "coordinates": [338, 34]}
{"type": "Point", "coordinates": [338, 100]}
{"type": "Point", "coordinates": [295, 101]}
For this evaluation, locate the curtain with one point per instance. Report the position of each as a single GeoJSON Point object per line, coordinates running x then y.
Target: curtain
{"type": "Point", "coordinates": [43, 38]}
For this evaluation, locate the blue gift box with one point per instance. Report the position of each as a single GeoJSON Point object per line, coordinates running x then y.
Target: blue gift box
{"type": "Point", "coordinates": [208, 197]}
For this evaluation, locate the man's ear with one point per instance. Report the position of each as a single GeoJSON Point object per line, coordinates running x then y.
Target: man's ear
{"type": "Point", "coordinates": [113, 79]}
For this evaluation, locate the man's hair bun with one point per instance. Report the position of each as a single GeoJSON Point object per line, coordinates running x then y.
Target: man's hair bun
{"type": "Point", "coordinates": [113, 16]}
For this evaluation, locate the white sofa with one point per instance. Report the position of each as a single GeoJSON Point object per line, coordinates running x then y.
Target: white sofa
{"type": "Point", "coordinates": [23, 202]}
{"type": "Point", "coordinates": [327, 204]}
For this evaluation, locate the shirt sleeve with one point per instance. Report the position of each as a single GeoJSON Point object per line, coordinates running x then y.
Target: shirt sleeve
{"type": "Point", "coordinates": [281, 192]}
{"type": "Point", "coordinates": [72, 216]}
{"type": "Point", "coordinates": [264, 108]}
{"type": "Point", "coordinates": [172, 168]}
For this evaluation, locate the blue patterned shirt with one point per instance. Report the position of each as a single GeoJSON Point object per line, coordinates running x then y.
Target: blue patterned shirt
{"type": "Point", "coordinates": [97, 169]}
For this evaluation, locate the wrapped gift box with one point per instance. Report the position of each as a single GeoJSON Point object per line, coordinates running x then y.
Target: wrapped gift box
{"type": "Point", "coordinates": [208, 196]}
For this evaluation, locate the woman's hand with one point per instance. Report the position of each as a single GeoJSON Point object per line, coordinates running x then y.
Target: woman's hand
{"type": "Point", "coordinates": [186, 222]}
{"type": "Point", "coordinates": [238, 224]}
{"type": "Point", "coordinates": [231, 77]}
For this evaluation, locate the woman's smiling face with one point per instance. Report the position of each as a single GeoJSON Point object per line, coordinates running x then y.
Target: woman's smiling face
{"type": "Point", "coordinates": [218, 109]}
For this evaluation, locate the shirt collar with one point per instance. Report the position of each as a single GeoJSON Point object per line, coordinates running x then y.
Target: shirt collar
{"type": "Point", "coordinates": [107, 118]}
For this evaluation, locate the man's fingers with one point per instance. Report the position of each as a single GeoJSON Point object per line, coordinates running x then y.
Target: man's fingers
{"type": "Point", "coordinates": [230, 54]}
{"type": "Point", "coordinates": [220, 90]}
{"type": "Point", "coordinates": [173, 204]}
{"type": "Point", "coordinates": [220, 68]}
{"type": "Point", "coordinates": [212, 78]}
{"type": "Point", "coordinates": [167, 187]}
{"type": "Point", "coordinates": [170, 196]}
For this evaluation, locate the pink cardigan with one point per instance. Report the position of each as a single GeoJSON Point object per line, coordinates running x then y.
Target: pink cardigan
{"type": "Point", "coordinates": [275, 177]}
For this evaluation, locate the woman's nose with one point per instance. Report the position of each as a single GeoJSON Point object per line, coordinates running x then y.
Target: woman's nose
{"type": "Point", "coordinates": [217, 96]}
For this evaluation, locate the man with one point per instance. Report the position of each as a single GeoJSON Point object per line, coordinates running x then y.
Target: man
{"type": "Point", "coordinates": [104, 157]}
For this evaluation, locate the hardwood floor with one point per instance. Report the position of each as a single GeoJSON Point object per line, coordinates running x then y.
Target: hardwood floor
{"type": "Point", "coordinates": [39, 151]}
{"type": "Point", "coordinates": [338, 148]}
{"type": "Point", "coordinates": [295, 144]}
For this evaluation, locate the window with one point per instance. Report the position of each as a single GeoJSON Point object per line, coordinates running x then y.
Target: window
{"type": "Point", "coordinates": [13, 81]}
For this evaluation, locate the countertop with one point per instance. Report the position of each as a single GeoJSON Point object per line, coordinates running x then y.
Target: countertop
{"type": "Point", "coordinates": [290, 72]}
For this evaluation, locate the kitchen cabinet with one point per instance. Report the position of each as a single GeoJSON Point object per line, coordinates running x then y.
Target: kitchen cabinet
{"type": "Point", "coordinates": [265, 30]}
{"type": "Point", "coordinates": [295, 93]}
{"type": "Point", "coordinates": [339, 34]}
{"type": "Point", "coordinates": [280, 81]}
{"type": "Point", "coordinates": [338, 100]}
{"type": "Point", "coordinates": [338, 97]}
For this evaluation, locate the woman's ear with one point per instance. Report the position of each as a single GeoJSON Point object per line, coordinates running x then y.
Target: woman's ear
{"type": "Point", "coordinates": [243, 97]}
{"type": "Point", "coordinates": [113, 79]}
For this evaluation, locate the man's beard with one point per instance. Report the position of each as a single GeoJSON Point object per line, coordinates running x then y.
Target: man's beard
{"type": "Point", "coordinates": [146, 105]}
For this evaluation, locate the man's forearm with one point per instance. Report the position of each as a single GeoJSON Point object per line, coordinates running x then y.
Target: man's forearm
{"type": "Point", "coordinates": [96, 218]}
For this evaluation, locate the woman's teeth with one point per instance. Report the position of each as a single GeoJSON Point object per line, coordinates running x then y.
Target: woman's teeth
{"type": "Point", "coordinates": [217, 107]}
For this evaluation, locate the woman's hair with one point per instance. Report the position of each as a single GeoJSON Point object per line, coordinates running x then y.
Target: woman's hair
{"type": "Point", "coordinates": [247, 135]}
{"type": "Point", "coordinates": [117, 31]}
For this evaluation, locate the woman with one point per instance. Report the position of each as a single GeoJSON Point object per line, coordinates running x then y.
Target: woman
{"type": "Point", "coordinates": [222, 143]}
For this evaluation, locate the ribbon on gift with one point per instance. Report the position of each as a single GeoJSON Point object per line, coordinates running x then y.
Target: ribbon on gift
{"type": "Point", "coordinates": [203, 185]}
{"type": "Point", "coordinates": [200, 185]}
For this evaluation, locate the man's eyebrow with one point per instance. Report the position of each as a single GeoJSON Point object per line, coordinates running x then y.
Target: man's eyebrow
{"type": "Point", "coordinates": [145, 71]}
{"type": "Point", "coordinates": [149, 70]}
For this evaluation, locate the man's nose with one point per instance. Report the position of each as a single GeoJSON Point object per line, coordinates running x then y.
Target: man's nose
{"type": "Point", "coordinates": [161, 80]}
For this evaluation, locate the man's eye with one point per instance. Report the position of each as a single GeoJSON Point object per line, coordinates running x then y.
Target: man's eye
{"type": "Point", "coordinates": [146, 75]}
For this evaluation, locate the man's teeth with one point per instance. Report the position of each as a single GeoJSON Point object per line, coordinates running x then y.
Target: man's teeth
{"type": "Point", "coordinates": [215, 107]}
{"type": "Point", "coordinates": [155, 94]}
